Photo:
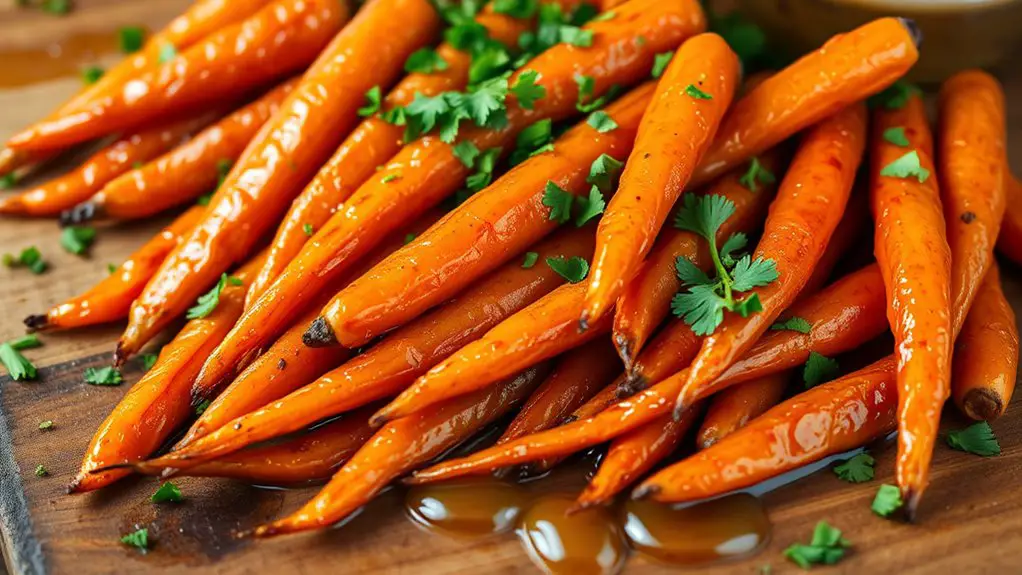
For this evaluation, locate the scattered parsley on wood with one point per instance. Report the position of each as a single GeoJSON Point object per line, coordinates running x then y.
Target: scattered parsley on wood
{"type": "Point", "coordinates": [208, 301]}
{"type": "Point", "coordinates": [801, 325]}
{"type": "Point", "coordinates": [92, 74]}
{"type": "Point", "coordinates": [29, 257]}
{"type": "Point", "coordinates": [896, 136]}
{"type": "Point", "coordinates": [573, 269]}
{"type": "Point", "coordinates": [827, 547]}
{"type": "Point", "coordinates": [41, 471]}
{"type": "Point", "coordinates": [131, 39]}
{"type": "Point", "coordinates": [167, 493]}
{"type": "Point", "coordinates": [46, 425]}
{"type": "Point", "coordinates": [103, 376]}
{"type": "Point", "coordinates": [819, 369]}
{"type": "Point", "coordinates": [530, 260]}
{"type": "Point", "coordinates": [978, 439]}
{"type": "Point", "coordinates": [138, 539]}
{"type": "Point", "coordinates": [756, 174]}
{"type": "Point", "coordinates": [77, 239]}
{"type": "Point", "coordinates": [857, 469]}
{"type": "Point", "coordinates": [887, 500]}
{"type": "Point", "coordinates": [19, 367]}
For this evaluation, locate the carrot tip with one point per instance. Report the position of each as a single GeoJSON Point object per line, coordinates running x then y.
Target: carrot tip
{"type": "Point", "coordinates": [679, 409]}
{"type": "Point", "coordinates": [982, 405]}
{"type": "Point", "coordinates": [913, 29]}
{"type": "Point", "coordinates": [911, 497]}
{"type": "Point", "coordinates": [624, 350]}
{"type": "Point", "coordinates": [633, 384]}
{"type": "Point", "coordinates": [75, 482]}
{"type": "Point", "coordinates": [120, 354]}
{"type": "Point", "coordinates": [83, 212]}
{"type": "Point", "coordinates": [644, 491]}
{"type": "Point", "coordinates": [36, 322]}
{"type": "Point", "coordinates": [578, 507]}
{"type": "Point", "coordinates": [319, 334]}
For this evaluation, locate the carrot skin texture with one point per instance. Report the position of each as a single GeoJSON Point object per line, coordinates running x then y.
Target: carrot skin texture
{"type": "Point", "coordinates": [802, 218]}
{"type": "Point", "coordinates": [733, 408]}
{"type": "Point", "coordinates": [155, 406]}
{"type": "Point", "coordinates": [915, 261]}
{"type": "Point", "coordinates": [188, 171]}
{"type": "Point", "coordinates": [1009, 241]}
{"type": "Point", "coordinates": [288, 150]}
{"type": "Point", "coordinates": [279, 40]}
{"type": "Point", "coordinates": [401, 446]}
{"type": "Point", "coordinates": [675, 132]}
{"type": "Point", "coordinates": [63, 192]}
{"type": "Point", "coordinates": [828, 419]}
{"type": "Point", "coordinates": [845, 70]}
{"type": "Point", "coordinates": [481, 234]}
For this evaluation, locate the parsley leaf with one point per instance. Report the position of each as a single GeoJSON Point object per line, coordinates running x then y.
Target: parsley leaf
{"type": "Point", "coordinates": [827, 547]}
{"type": "Point", "coordinates": [856, 469]}
{"type": "Point", "coordinates": [906, 166]}
{"type": "Point", "coordinates": [409, 238]}
{"type": "Point", "coordinates": [819, 369]}
{"type": "Point", "coordinates": [466, 152]}
{"type": "Point", "coordinates": [390, 178]}
{"type": "Point", "coordinates": [202, 407]}
{"type": "Point", "coordinates": [575, 36]}
{"type": "Point", "coordinates": [693, 91]}
{"type": "Point", "coordinates": [8, 181]}
{"type": "Point", "coordinates": [58, 7]}
{"type": "Point", "coordinates": [603, 172]}
{"type": "Point", "coordinates": [17, 365]}
{"type": "Point", "coordinates": [29, 257]}
{"type": "Point", "coordinates": [77, 239]}
{"type": "Point", "coordinates": [601, 122]}
{"type": "Point", "coordinates": [526, 90]}
{"type": "Point", "coordinates": [586, 88]}
{"type": "Point", "coordinates": [604, 16]}
{"type": "Point", "coordinates": [103, 376]}
{"type": "Point", "coordinates": [559, 201]}
{"type": "Point", "coordinates": [149, 360]}
{"type": "Point", "coordinates": [488, 61]}
{"type": "Point", "coordinates": [689, 273]}
{"type": "Point", "coordinates": [138, 539]}
{"type": "Point", "coordinates": [734, 243]}
{"type": "Point", "coordinates": [131, 39]}
{"type": "Point", "coordinates": [895, 96]}
{"type": "Point", "coordinates": [747, 40]}
{"type": "Point", "coordinates": [592, 206]}
{"type": "Point", "coordinates": [573, 269]}
{"type": "Point", "coordinates": [530, 260]}
{"type": "Point", "coordinates": [756, 173]}
{"type": "Point", "coordinates": [887, 500]}
{"type": "Point", "coordinates": [208, 301]}
{"type": "Point", "coordinates": [167, 493]}
{"type": "Point", "coordinates": [308, 229]}
{"type": "Point", "coordinates": [46, 425]}
{"type": "Point", "coordinates": [483, 175]}
{"type": "Point", "coordinates": [40, 471]}
{"type": "Point", "coordinates": [978, 439]}
{"type": "Point", "coordinates": [749, 273]}
{"type": "Point", "coordinates": [660, 62]}
{"type": "Point", "coordinates": [533, 140]}
{"type": "Point", "coordinates": [425, 61]}
{"type": "Point", "coordinates": [485, 105]}
{"type": "Point", "coordinates": [700, 307]}
{"type": "Point", "coordinates": [896, 136]}
{"type": "Point", "coordinates": [516, 8]}
{"type": "Point", "coordinates": [703, 215]}
{"type": "Point", "coordinates": [798, 324]}
{"type": "Point", "coordinates": [374, 97]}
{"type": "Point", "coordinates": [92, 74]}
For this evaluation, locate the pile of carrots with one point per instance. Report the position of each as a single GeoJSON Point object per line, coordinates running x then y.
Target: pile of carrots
{"type": "Point", "coordinates": [583, 216]}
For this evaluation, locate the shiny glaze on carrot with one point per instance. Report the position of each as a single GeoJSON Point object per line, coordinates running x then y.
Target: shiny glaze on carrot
{"type": "Point", "coordinates": [289, 149]}
{"type": "Point", "coordinates": [1009, 241]}
{"type": "Point", "coordinates": [734, 407]}
{"type": "Point", "coordinates": [675, 132]}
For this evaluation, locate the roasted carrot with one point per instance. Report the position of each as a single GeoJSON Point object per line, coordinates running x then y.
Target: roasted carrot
{"type": "Point", "coordinates": [63, 192]}
{"type": "Point", "coordinates": [400, 447]}
{"type": "Point", "coordinates": [986, 353]}
{"type": "Point", "coordinates": [733, 408]}
{"type": "Point", "coordinates": [155, 406]}
{"type": "Point", "coordinates": [15, 162]}
{"type": "Point", "coordinates": [1009, 241]}
{"type": "Point", "coordinates": [826, 420]}
{"type": "Point", "coordinates": [646, 299]}
{"type": "Point", "coordinates": [482, 233]}
{"type": "Point", "coordinates": [390, 366]}
{"type": "Point", "coordinates": [676, 130]}
{"type": "Point", "coordinates": [915, 262]}
{"type": "Point", "coordinates": [280, 39]}
{"type": "Point", "coordinates": [575, 378]}
{"type": "Point", "coordinates": [802, 219]}
{"type": "Point", "coordinates": [843, 71]}
{"type": "Point", "coordinates": [110, 299]}
{"type": "Point", "coordinates": [287, 152]}
{"type": "Point", "coordinates": [184, 173]}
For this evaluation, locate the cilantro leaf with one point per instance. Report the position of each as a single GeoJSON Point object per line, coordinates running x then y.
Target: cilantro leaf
{"type": "Point", "coordinates": [703, 215]}
{"type": "Point", "coordinates": [516, 8]}
{"type": "Point", "coordinates": [559, 201]}
{"type": "Point", "coordinates": [425, 61]}
{"type": "Point", "coordinates": [747, 40]}
{"type": "Point", "coordinates": [131, 39]}
{"type": "Point", "coordinates": [895, 96]}
{"type": "Point", "coordinates": [526, 90]}
{"type": "Point", "coordinates": [573, 269]}
{"type": "Point", "coordinates": [209, 300]}
{"type": "Point", "coordinates": [896, 136]}
{"type": "Point", "coordinates": [374, 97]}
{"type": "Point", "coordinates": [534, 139]}
{"type": "Point", "coordinates": [906, 166]}
{"type": "Point", "coordinates": [485, 106]}
{"type": "Point", "coordinates": [603, 172]}
{"type": "Point", "coordinates": [819, 369]}
{"type": "Point", "coordinates": [856, 469]}
{"type": "Point", "coordinates": [592, 206]}
{"type": "Point", "coordinates": [693, 91]}
{"type": "Point", "coordinates": [530, 259]}
{"type": "Point", "coordinates": [887, 500]}
{"type": "Point", "coordinates": [40, 471]}
{"type": "Point", "coordinates": [660, 62]}
{"type": "Point", "coordinates": [735, 242]}
{"type": "Point", "coordinates": [688, 273]}
{"type": "Point", "coordinates": [167, 493]}
{"type": "Point", "coordinates": [586, 89]}
{"type": "Point", "coordinates": [138, 539]}
{"type": "Point", "coordinates": [488, 61]}
{"type": "Point", "coordinates": [700, 307]}
{"type": "Point", "coordinates": [46, 425]}
{"type": "Point", "coordinates": [485, 164]}
{"type": "Point", "coordinates": [827, 547]}
{"type": "Point", "coordinates": [756, 173]}
{"type": "Point", "coordinates": [977, 439]}
{"type": "Point", "coordinates": [749, 273]}
{"type": "Point", "coordinates": [601, 122]}
{"type": "Point", "coordinates": [423, 112]}
{"type": "Point", "coordinates": [103, 376]}
{"type": "Point", "coordinates": [466, 152]}
{"type": "Point", "coordinates": [149, 360]}
{"type": "Point", "coordinates": [575, 36]}
{"type": "Point", "coordinates": [77, 239]}
{"type": "Point", "coordinates": [92, 74]}
{"type": "Point", "coordinates": [29, 257]}
{"type": "Point", "coordinates": [798, 324]}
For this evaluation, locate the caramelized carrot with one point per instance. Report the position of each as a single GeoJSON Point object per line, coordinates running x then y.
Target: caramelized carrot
{"type": "Point", "coordinates": [110, 299]}
{"type": "Point", "coordinates": [482, 233]}
{"type": "Point", "coordinates": [400, 447]}
{"type": "Point", "coordinates": [826, 420]}
{"type": "Point", "coordinates": [393, 364]}
{"type": "Point", "coordinates": [287, 152]}
{"type": "Point", "coordinates": [843, 71]}
{"type": "Point", "coordinates": [676, 130]}
{"type": "Point", "coordinates": [986, 353]}
{"type": "Point", "coordinates": [63, 192]}
{"type": "Point", "coordinates": [155, 406]}
{"type": "Point", "coordinates": [912, 250]}
{"type": "Point", "coordinates": [736, 406]}
{"type": "Point", "coordinates": [13, 162]}
{"type": "Point", "coordinates": [184, 173]}
{"type": "Point", "coordinates": [280, 39]}
{"type": "Point", "coordinates": [1009, 242]}
{"type": "Point", "coordinates": [802, 219]}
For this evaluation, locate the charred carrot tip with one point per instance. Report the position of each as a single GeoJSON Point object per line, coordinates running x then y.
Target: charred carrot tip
{"type": "Point", "coordinates": [644, 491]}
{"type": "Point", "coordinates": [379, 419]}
{"type": "Point", "coordinates": [319, 334]}
{"type": "Point", "coordinates": [72, 487]}
{"type": "Point", "coordinates": [982, 404]}
{"type": "Point", "coordinates": [624, 350]}
{"type": "Point", "coordinates": [120, 355]}
{"type": "Point", "coordinates": [633, 384]}
{"type": "Point", "coordinates": [36, 322]}
{"type": "Point", "coordinates": [83, 212]}
{"type": "Point", "coordinates": [679, 409]}
{"type": "Point", "coordinates": [133, 465]}
{"type": "Point", "coordinates": [583, 322]}
{"type": "Point", "coordinates": [913, 29]}
{"type": "Point", "coordinates": [911, 497]}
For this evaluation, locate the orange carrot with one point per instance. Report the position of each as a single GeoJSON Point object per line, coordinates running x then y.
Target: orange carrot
{"type": "Point", "coordinates": [1009, 242]}
{"type": "Point", "coordinates": [733, 408]}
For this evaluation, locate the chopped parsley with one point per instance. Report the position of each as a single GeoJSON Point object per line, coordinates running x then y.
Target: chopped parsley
{"type": "Point", "coordinates": [77, 239]}
{"type": "Point", "coordinates": [390, 178]}
{"type": "Point", "coordinates": [819, 369]}
{"type": "Point", "coordinates": [573, 269]}
{"type": "Point", "coordinates": [559, 201]}
{"type": "Point", "coordinates": [660, 62]}
{"type": "Point", "coordinates": [208, 301]}
{"type": "Point", "coordinates": [103, 376]}
{"type": "Point", "coordinates": [467, 152]}
{"type": "Point", "coordinates": [747, 40]}
{"type": "Point", "coordinates": [149, 360]}
{"type": "Point", "coordinates": [308, 229]}
{"type": "Point", "coordinates": [856, 469]}
{"type": "Point", "coordinates": [92, 74]}
{"type": "Point", "coordinates": [576, 36]}
{"type": "Point", "coordinates": [693, 91]}
{"type": "Point", "coordinates": [887, 500]}
{"type": "Point", "coordinates": [409, 238]}
{"type": "Point", "coordinates": [8, 181]}
{"type": "Point", "coordinates": [57, 7]}
{"type": "Point", "coordinates": [603, 172]}
{"type": "Point", "coordinates": [46, 425]}
{"type": "Point", "coordinates": [138, 539]}
{"type": "Point", "coordinates": [425, 61]}
{"type": "Point", "coordinates": [202, 407]}
{"type": "Point", "coordinates": [591, 206]}
{"type": "Point", "coordinates": [757, 172]}
{"type": "Point", "coordinates": [484, 167]}
{"type": "Point", "coordinates": [798, 324]}
{"type": "Point", "coordinates": [977, 439]}
{"type": "Point", "coordinates": [40, 471]}
{"type": "Point", "coordinates": [896, 136]}
{"type": "Point", "coordinates": [530, 259]}
{"type": "Point", "coordinates": [907, 166]}
{"type": "Point", "coordinates": [131, 39]}
{"type": "Point", "coordinates": [516, 8]}
{"type": "Point", "coordinates": [586, 90]}
{"type": "Point", "coordinates": [827, 547]}
{"type": "Point", "coordinates": [374, 97]}
{"type": "Point", "coordinates": [17, 365]}
{"type": "Point", "coordinates": [526, 90]}
{"type": "Point", "coordinates": [167, 493]}
{"type": "Point", "coordinates": [535, 139]}
{"type": "Point", "coordinates": [601, 122]}
{"type": "Point", "coordinates": [29, 257]}
{"type": "Point", "coordinates": [896, 96]}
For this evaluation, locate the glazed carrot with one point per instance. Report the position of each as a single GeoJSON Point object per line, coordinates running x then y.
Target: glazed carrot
{"type": "Point", "coordinates": [828, 419]}
{"type": "Point", "coordinates": [734, 407]}
{"type": "Point", "coordinates": [280, 39]}
{"type": "Point", "coordinates": [492, 226]}
{"type": "Point", "coordinates": [1009, 242]}
{"type": "Point", "coordinates": [646, 299]}
{"type": "Point", "coordinates": [184, 173]}
{"type": "Point", "coordinates": [912, 250]}
{"type": "Point", "coordinates": [400, 447]}
{"type": "Point", "coordinates": [155, 406]}
{"type": "Point", "coordinates": [843, 71]}
{"type": "Point", "coordinates": [110, 299]}
{"type": "Point", "coordinates": [576, 377]}
{"type": "Point", "coordinates": [986, 353]}
{"type": "Point", "coordinates": [13, 162]}
{"type": "Point", "coordinates": [287, 152]}
{"type": "Point", "coordinates": [676, 130]}
{"type": "Point", "coordinates": [802, 219]}
{"type": "Point", "coordinates": [63, 192]}
{"type": "Point", "coordinates": [393, 364]}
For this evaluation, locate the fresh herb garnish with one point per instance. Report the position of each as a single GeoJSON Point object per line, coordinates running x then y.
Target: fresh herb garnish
{"type": "Point", "coordinates": [8, 181]}
{"type": "Point", "coordinates": [138, 539]}
{"type": "Point", "coordinates": [149, 360]}
{"type": "Point", "coordinates": [46, 425]}
{"type": "Point", "coordinates": [603, 172]}
{"type": "Point", "coordinates": [390, 178]}
{"type": "Point", "coordinates": [526, 90]}
{"type": "Point", "coordinates": [693, 91]}
{"type": "Point", "coordinates": [559, 201]}
{"type": "Point", "coordinates": [373, 96]}
{"type": "Point", "coordinates": [601, 122]}
{"type": "Point", "coordinates": [516, 8]}
{"type": "Point", "coordinates": [131, 39]}
{"type": "Point", "coordinates": [77, 239]}
{"type": "Point", "coordinates": [308, 229]}
{"type": "Point", "coordinates": [660, 62]}
{"type": "Point", "coordinates": [92, 74]}
{"type": "Point", "coordinates": [887, 500]}
{"type": "Point", "coordinates": [757, 172]}
{"type": "Point", "coordinates": [208, 301]}
{"type": "Point", "coordinates": [530, 259]}
{"type": "Point", "coordinates": [977, 439]}
{"type": "Point", "coordinates": [103, 376]}
{"type": "Point", "coordinates": [17, 365]}
{"type": "Point", "coordinates": [40, 471]}
{"type": "Point", "coordinates": [856, 469]}
{"type": "Point", "coordinates": [896, 96]}
{"type": "Point", "coordinates": [533, 140]}
{"type": "Point", "coordinates": [906, 166]}
{"type": "Point", "coordinates": [167, 493]}
{"type": "Point", "coordinates": [202, 407]}
{"type": "Point", "coordinates": [467, 152]}
{"type": "Point", "coordinates": [591, 206]}
{"type": "Point", "coordinates": [485, 164]}
{"type": "Point", "coordinates": [29, 257]}
{"type": "Point", "coordinates": [409, 238]}
{"type": "Point", "coordinates": [425, 61]}
{"type": "Point", "coordinates": [798, 324]}
{"type": "Point", "coordinates": [896, 136]}
{"type": "Point", "coordinates": [573, 269]}
{"type": "Point", "coordinates": [167, 53]}
{"type": "Point", "coordinates": [827, 547]}
{"type": "Point", "coordinates": [819, 369]}
{"type": "Point", "coordinates": [57, 7]}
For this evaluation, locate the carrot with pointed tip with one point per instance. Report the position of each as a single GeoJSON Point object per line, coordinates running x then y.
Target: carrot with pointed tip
{"type": "Point", "coordinates": [15, 162]}
{"type": "Point", "coordinates": [676, 130]}
{"type": "Point", "coordinates": [402, 446]}
{"type": "Point", "coordinates": [289, 149]}
{"type": "Point", "coordinates": [734, 407]}
{"type": "Point", "coordinates": [1009, 241]}
{"type": "Point", "coordinates": [809, 205]}
{"type": "Point", "coordinates": [185, 172]}
{"type": "Point", "coordinates": [110, 299]}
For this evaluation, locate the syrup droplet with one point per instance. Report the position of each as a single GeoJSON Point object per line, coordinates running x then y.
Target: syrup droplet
{"type": "Point", "coordinates": [587, 542]}
{"type": "Point", "coordinates": [475, 507]}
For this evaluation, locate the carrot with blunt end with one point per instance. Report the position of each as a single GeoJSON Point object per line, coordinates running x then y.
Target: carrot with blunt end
{"type": "Point", "coordinates": [159, 403]}
{"type": "Point", "coordinates": [110, 299]}
{"type": "Point", "coordinates": [734, 407]}
{"type": "Point", "coordinates": [1009, 241]}
{"type": "Point", "coordinates": [482, 233]}
{"type": "Point", "coordinates": [280, 39]}
{"type": "Point", "coordinates": [676, 130]}
{"type": "Point", "coordinates": [845, 70]}
{"type": "Point", "coordinates": [915, 262]}
{"type": "Point", "coordinates": [986, 353]}
{"type": "Point", "coordinates": [402, 446]}
{"type": "Point", "coordinates": [392, 365]}
{"type": "Point", "coordinates": [809, 205]}
{"type": "Point", "coordinates": [284, 155]}
{"type": "Point", "coordinates": [63, 192]}
{"type": "Point", "coordinates": [826, 420]}
{"type": "Point", "coordinates": [184, 173]}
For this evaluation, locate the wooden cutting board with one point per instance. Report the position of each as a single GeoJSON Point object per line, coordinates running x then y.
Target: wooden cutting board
{"type": "Point", "coordinates": [971, 520]}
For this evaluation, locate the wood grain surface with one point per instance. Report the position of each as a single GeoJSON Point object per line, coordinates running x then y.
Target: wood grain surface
{"type": "Point", "coordinates": [971, 520]}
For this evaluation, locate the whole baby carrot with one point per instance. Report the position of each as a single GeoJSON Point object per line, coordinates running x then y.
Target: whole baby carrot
{"type": "Point", "coordinates": [845, 70]}
{"type": "Point", "coordinates": [287, 152]}
{"type": "Point", "coordinates": [280, 39]}
{"type": "Point", "coordinates": [110, 299]}
{"type": "Point", "coordinates": [809, 205]}
{"type": "Point", "coordinates": [184, 173]}
{"type": "Point", "coordinates": [986, 353]}
{"type": "Point", "coordinates": [1009, 241]}
{"type": "Point", "coordinates": [400, 447]}
{"type": "Point", "coordinates": [828, 419]}
{"type": "Point", "coordinates": [734, 407]}
{"type": "Point", "coordinates": [915, 262]}
{"type": "Point", "coordinates": [155, 406]}
{"type": "Point", "coordinates": [63, 192]}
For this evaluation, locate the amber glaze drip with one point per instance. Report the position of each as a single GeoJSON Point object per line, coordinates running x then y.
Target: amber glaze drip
{"type": "Point", "coordinates": [591, 541]}
{"type": "Point", "coordinates": [474, 507]}
{"type": "Point", "coordinates": [63, 58]}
